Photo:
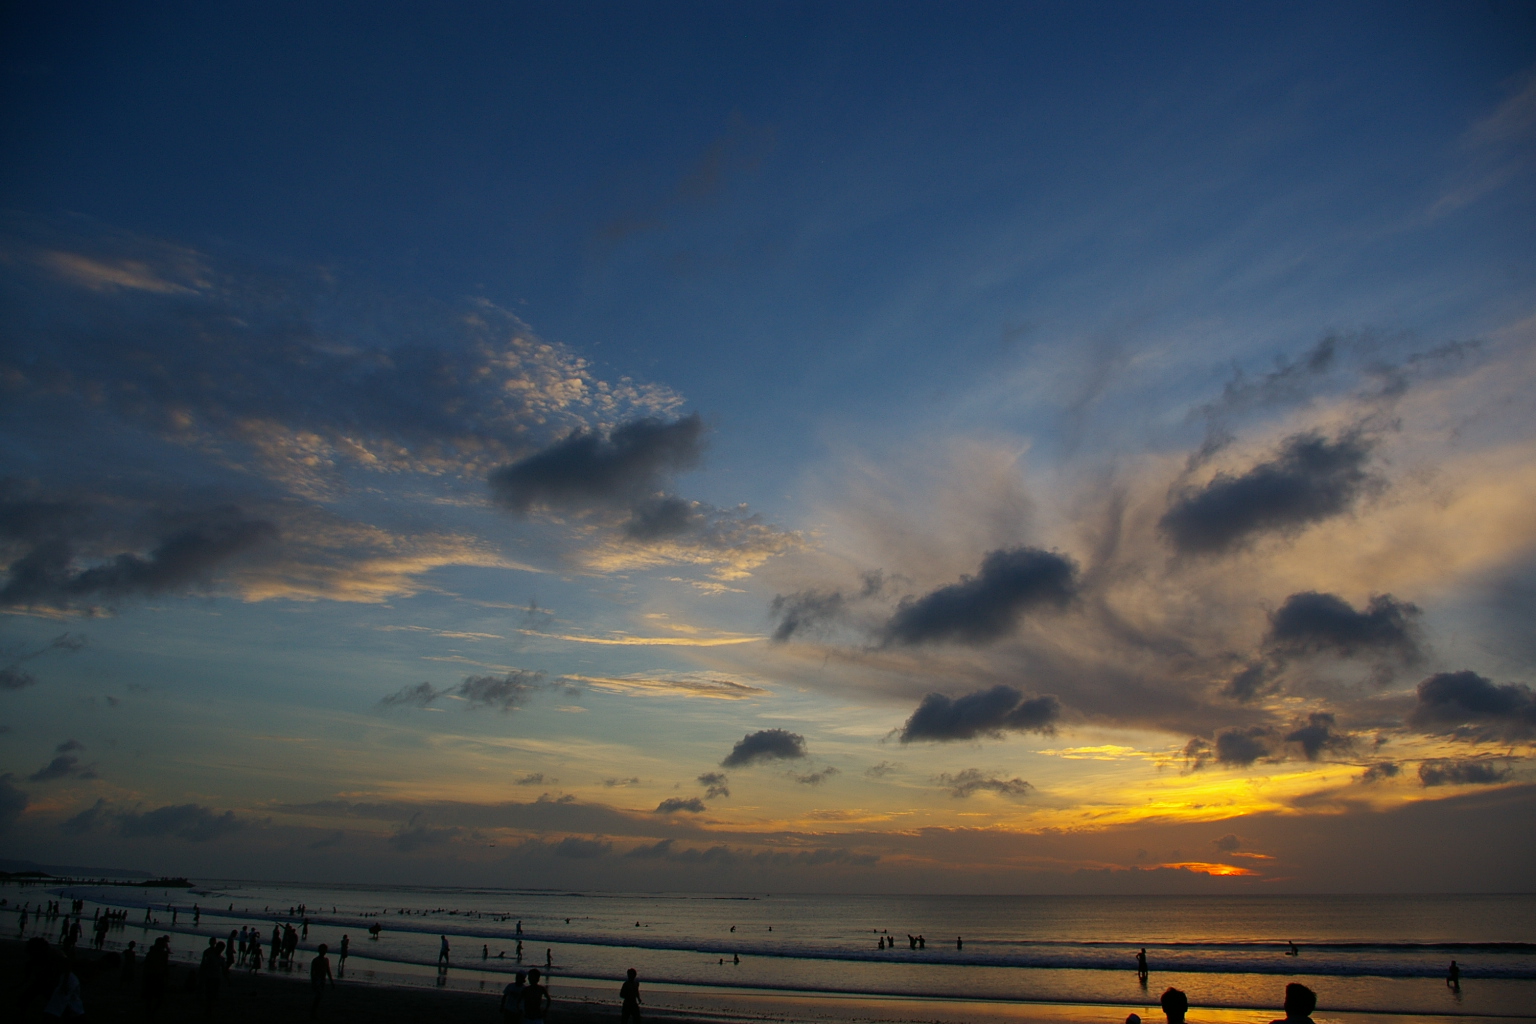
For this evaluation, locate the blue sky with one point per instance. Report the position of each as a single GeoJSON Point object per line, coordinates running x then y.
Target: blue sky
{"type": "Point", "coordinates": [354, 350]}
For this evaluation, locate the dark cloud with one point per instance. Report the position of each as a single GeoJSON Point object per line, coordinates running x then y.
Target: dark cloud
{"type": "Point", "coordinates": [503, 692]}
{"type": "Point", "coordinates": [1446, 772]}
{"type": "Point", "coordinates": [1237, 746]}
{"type": "Point", "coordinates": [12, 677]}
{"type": "Point", "coordinates": [88, 820]}
{"type": "Point", "coordinates": [815, 778]}
{"type": "Point", "coordinates": [983, 713]}
{"type": "Point", "coordinates": [587, 469]}
{"type": "Point", "coordinates": [985, 607]}
{"type": "Point", "coordinates": [1309, 480]}
{"type": "Point", "coordinates": [651, 851]}
{"type": "Point", "coordinates": [532, 779]}
{"type": "Point", "coordinates": [633, 780]}
{"type": "Point", "coordinates": [576, 848]}
{"type": "Point", "coordinates": [1467, 705]}
{"type": "Point", "coordinates": [816, 611]}
{"type": "Point", "coordinates": [1229, 843]}
{"type": "Point", "coordinates": [971, 781]}
{"type": "Point", "coordinates": [417, 837]}
{"type": "Point", "coordinates": [72, 562]}
{"type": "Point", "coordinates": [1319, 735]}
{"type": "Point", "coordinates": [12, 802]}
{"type": "Point", "coordinates": [65, 766]}
{"type": "Point", "coordinates": [673, 804]}
{"type": "Point", "coordinates": [765, 745]}
{"type": "Point", "coordinates": [191, 822]}
{"type": "Point", "coordinates": [68, 745]}
{"type": "Point", "coordinates": [1378, 772]}
{"type": "Point", "coordinates": [1310, 623]}
{"type": "Point", "coordinates": [881, 770]}
{"type": "Point", "coordinates": [716, 785]}
{"type": "Point", "coordinates": [808, 611]}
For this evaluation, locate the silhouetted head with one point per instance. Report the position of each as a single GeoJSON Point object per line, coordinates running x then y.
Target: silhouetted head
{"type": "Point", "coordinates": [1175, 1004]}
{"type": "Point", "coordinates": [522, 976]}
{"type": "Point", "coordinates": [533, 976]}
{"type": "Point", "coordinates": [1299, 1000]}
{"type": "Point", "coordinates": [631, 974]}
{"type": "Point", "coordinates": [324, 949]}
{"type": "Point", "coordinates": [1133, 1018]}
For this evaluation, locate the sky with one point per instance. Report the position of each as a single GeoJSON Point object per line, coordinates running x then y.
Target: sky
{"type": "Point", "coordinates": [902, 447]}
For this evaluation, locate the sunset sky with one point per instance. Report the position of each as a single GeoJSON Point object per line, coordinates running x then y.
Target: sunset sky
{"type": "Point", "coordinates": [1064, 447]}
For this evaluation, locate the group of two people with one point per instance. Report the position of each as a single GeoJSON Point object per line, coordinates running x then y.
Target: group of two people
{"type": "Point", "coordinates": [1300, 1001]}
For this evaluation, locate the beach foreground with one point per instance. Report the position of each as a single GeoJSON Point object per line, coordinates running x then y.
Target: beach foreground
{"type": "Point", "coordinates": [266, 997]}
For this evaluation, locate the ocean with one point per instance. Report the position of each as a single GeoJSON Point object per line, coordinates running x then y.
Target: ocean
{"type": "Point", "coordinates": [1383, 954]}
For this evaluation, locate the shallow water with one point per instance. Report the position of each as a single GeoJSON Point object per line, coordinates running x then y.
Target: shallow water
{"type": "Point", "coordinates": [1367, 953]}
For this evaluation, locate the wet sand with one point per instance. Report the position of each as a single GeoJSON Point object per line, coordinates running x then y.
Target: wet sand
{"type": "Point", "coordinates": [268, 998]}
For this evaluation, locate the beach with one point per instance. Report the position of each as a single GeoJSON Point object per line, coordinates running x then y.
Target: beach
{"type": "Point", "coordinates": [796, 958]}
{"type": "Point", "coordinates": [264, 997]}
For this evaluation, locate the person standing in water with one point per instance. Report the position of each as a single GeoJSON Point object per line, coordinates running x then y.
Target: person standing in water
{"type": "Point", "coordinates": [341, 958]}
{"type": "Point", "coordinates": [1453, 978]}
{"type": "Point", "coordinates": [629, 994]}
{"type": "Point", "coordinates": [442, 950]}
{"type": "Point", "coordinates": [1141, 965]}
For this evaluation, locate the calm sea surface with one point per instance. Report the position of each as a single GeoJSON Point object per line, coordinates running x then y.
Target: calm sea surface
{"type": "Point", "coordinates": [1367, 953]}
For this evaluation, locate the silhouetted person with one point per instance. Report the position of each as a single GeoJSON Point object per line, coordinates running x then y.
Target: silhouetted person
{"type": "Point", "coordinates": [43, 967]}
{"type": "Point", "coordinates": [157, 971]}
{"type": "Point", "coordinates": [1141, 965]}
{"type": "Point", "coordinates": [512, 999]}
{"type": "Point", "coordinates": [535, 1000]}
{"type": "Point", "coordinates": [1133, 1018]}
{"type": "Point", "coordinates": [1453, 977]}
{"type": "Point", "coordinates": [549, 958]}
{"type": "Point", "coordinates": [922, 943]}
{"type": "Point", "coordinates": [1300, 1001]}
{"type": "Point", "coordinates": [959, 943]}
{"type": "Point", "coordinates": [129, 962]}
{"type": "Point", "coordinates": [1293, 951]}
{"type": "Point", "coordinates": [197, 915]}
{"type": "Point", "coordinates": [229, 952]}
{"type": "Point", "coordinates": [629, 995]}
{"type": "Point", "coordinates": [341, 959]}
{"type": "Point", "coordinates": [1175, 1005]}
{"type": "Point", "coordinates": [911, 941]}
{"type": "Point", "coordinates": [442, 950]}
{"type": "Point", "coordinates": [64, 1002]}
{"type": "Point", "coordinates": [319, 974]}
{"type": "Point", "coordinates": [485, 952]}
{"type": "Point", "coordinates": [210, 974]}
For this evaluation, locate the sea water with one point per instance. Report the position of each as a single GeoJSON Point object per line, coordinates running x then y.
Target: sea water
{"type": "Point", "coordinates": [1362, 953]}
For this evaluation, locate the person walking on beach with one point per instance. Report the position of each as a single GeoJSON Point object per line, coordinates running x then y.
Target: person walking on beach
{"type": "Point", "coordinates": [1300, 1001]}
{"type": "Point", "coordinates": [1453, 978]}
{"type": "Point", "coordinates": [341, 959]}
{"type": "Point", "coordinates": [319, 974]}
{"type": "Point", "coordinates": [442, 950]}
{"type": "Point", "coordinates": [629, 994]}
{"type": "Point", "coordinates": [1141, 965]}
{"type": "Point", "coordinates": [1175, 1005]}
{"type": "Point", "coordinates": [535, 1000]}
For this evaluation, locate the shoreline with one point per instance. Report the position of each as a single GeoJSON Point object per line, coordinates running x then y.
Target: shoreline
{"type": "Point", "coordinates": [465, 994]}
